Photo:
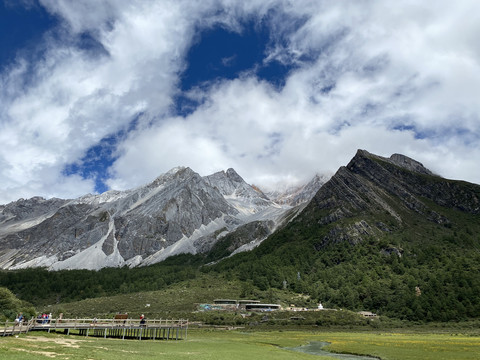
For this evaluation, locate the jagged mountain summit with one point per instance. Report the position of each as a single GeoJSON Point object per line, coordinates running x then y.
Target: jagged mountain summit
{"type": "Point", "coordinates": [183, 212]}
{"type": "Point", "coordinates": [383, 234]}
{"type": "Point", "coordinates": [244, 197]}
{"type": "Point", "coordinates": [179, 212]}
{"type": "Point", "coordinates": [373, 196]}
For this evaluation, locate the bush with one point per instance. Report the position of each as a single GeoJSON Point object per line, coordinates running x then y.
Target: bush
{"type": "Point", "coordinates": [10, 306]}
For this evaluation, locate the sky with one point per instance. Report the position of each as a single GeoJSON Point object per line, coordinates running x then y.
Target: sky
{"type": "Point", "coordinates": [98, 95]}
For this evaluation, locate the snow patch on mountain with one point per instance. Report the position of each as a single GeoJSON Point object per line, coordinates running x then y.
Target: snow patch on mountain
{"type": "Point", "coordinates": [178, 212]}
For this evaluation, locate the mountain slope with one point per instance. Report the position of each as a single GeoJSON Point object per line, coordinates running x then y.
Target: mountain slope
{"type": "Point", "coordinates": [383, 234]}
{"type": "Point", "coordinates": [179, 212]}
{"type": "Point", "coordinates": [395, 189]}
{"type": "Point", "coordinates": [118, 228]}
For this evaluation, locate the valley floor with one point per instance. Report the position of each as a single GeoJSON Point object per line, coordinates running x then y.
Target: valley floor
{"type": "Point", "coordinates": [214, 344]}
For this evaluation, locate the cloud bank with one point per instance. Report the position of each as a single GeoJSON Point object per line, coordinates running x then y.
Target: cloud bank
{"type": "Point", "coordinates": [388, 77]}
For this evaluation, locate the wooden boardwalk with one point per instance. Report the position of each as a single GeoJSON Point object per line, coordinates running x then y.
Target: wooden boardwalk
{"type": "Point", "coordinates": [163, 329]}
{"type": "Point", "coordinates": [13, 328]}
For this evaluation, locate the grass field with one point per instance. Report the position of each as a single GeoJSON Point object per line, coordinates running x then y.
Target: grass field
{"type": "Point", "coordinates": [203, 344]}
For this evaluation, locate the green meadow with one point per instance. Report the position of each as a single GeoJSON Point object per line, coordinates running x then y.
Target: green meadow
{"type": "Point", "coordinates": [217, 344]}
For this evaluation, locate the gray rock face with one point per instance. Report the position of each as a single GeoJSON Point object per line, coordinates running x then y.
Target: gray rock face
{"type": "Point", "coordinates": [231, 185]}
{"type": "Point", "coordinates": [297, 195]}
{"type": "Point", "coordinates": [407, 183]}
{"type": "Point", "coordinates": [410, 164]}
{"type": "Point", "coordinates": [248, 235]}
{"type": "Point", "coordinates": [309, 190]}
{"type": "Point", "coordinates": [124, 224]}
{"type": "Point", "coordinates": [178, 212]}
{"type": "Point", "coordinates": [174, 207]}
{"type": "Point", "coordinates": [30, 211]}
{"type": "Point", "coordinates": [397, 187]}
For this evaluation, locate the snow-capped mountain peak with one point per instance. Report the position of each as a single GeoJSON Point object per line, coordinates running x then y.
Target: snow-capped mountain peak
{"type": "Point", "coordinates": [178, 212]}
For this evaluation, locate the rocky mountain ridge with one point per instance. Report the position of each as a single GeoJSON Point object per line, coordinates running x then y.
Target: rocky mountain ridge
{"type": "Point", "coordinates": [178, 212]}
{"type": "Point", "coordinates": [384, 234]}
{"type": "Point", "coordinates": [372, 187]}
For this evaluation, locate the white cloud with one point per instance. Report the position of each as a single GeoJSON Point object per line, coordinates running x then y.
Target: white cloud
{"type": "Point", "coordinates": [71, 100]}
{"type": "Point", "coordinates": [374, 68]}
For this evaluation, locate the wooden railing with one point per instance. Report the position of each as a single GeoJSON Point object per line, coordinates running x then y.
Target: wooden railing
{"type": "Point", "coordinates": [61, 322]}
{"type": "Point", "coordinates": [15, 327]}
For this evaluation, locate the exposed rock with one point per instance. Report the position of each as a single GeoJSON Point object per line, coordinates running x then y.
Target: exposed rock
{"type": "Point", "coordinates": [353, 234]}
{"type": "Point", "coordinates": [380, 225]}
{"type": "Point", "coordinates": [409, 164]}
{"type": "Point", "coordinates": [177, 212]}
{"type": "Point", "coordinates": [298, 195]}
{"type": "Point", "coordinates": [372, 186]}
{"type": "Point", "coordinates": [229, 183]}
{"type": "Point", "coordinates": [182, 212]}
{"type": "Point", "coordinates": [392, 251]}
{"type": "Point", "coordinates": [242, 235]}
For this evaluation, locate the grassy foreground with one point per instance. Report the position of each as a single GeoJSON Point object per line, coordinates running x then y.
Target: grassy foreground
{"type": "Point", "coordinates": [242, 345]}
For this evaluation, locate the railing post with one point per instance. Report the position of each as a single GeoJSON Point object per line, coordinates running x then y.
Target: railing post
{"type": "Point", "coordinates": [32, 323]}
{"type": "Point", "coordinates": [5, 331]}
{"type": "Point", "coordinates": [28, 326]}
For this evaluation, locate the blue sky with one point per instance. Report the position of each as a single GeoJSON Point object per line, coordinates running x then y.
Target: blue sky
{"type": "Point", "coordinates": [21, 29]}
{"type": "Point", "coordinates": [219, 54]}
{"type": "Point", "coordinates": [100, 95]}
